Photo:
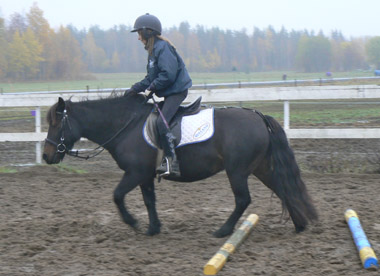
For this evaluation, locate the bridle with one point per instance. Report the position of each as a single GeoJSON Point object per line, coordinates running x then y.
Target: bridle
{"type": "Point", "coordinates": [62, 148]}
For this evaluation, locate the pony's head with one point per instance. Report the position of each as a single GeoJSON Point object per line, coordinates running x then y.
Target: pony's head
{"type": "Point", "coordinates": [65, 120]}
{"type": "Point", "coordinates": [61, 135]}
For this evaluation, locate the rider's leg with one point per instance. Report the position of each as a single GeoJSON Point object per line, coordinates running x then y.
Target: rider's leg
{"type": "Point", "coordinates": [169, 164]}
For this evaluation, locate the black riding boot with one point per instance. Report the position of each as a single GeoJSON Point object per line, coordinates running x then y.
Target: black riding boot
{"type": "Point", "coordinates": [169, 164]}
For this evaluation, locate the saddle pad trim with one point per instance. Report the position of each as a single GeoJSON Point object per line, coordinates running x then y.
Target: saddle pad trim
{"type": "Point", "coordinates": [147, 138]}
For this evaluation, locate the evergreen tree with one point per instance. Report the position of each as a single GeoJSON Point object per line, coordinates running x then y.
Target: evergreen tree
{"type": "Point", "coordinates": [373, 51]}
{"type": "Point", "coordinates": [68, 63]}
{"type": "Point", "coordinates": [95, 57]}
{"type": "Point", "coordinates": [314, 54]}
{"type": "Point", "coordinates": [17, 24]}
{"type": "Point", "coordinates": [3, 50]}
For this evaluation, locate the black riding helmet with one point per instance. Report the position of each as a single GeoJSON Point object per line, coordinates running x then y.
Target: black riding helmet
{"type": "Point", "coordinates": [147, 21]}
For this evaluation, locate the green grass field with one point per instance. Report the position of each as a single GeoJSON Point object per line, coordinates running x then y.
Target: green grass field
{"type": "Point", "coordinates": [324, 114]}
{"type": "Point", "coordinates": [345, 113]}
{"type": "Point", "coordinates": [124, 80]}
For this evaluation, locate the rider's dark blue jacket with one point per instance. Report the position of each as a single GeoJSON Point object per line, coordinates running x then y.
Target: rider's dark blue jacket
{"type": "Point", "coordinates": [166, 72]}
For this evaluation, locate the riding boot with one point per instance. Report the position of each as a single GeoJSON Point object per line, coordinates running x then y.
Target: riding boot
{"type": "Point", "coordinates": [169, 164]}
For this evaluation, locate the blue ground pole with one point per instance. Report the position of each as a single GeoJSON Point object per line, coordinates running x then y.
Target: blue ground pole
{"type": "Point", "coordinates": [366, 253]}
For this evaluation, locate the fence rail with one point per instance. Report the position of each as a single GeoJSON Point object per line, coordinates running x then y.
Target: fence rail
{"type": "Point", "coordinates": [206, 86]}
{"type": "Point", "coordinates": [214, 95]}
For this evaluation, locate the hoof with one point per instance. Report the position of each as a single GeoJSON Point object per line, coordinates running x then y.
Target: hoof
{"type": "Point", "coordinates": [153, 231]}
{"type": "Point", "coordinates": [131, 222]}
{"type": "Point", "coordinates": [134, 224]}
{"type": "Point", "coordinates": [300, 229]}
{"type": "Point", "coordinates": [221, 233]}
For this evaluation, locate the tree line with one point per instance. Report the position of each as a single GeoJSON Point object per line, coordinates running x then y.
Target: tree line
{"type": "Point", "coordinates": [31, 50]}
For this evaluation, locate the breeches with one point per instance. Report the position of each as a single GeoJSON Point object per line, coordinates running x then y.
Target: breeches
{"type": "Point", "coordinates": [169, 108]}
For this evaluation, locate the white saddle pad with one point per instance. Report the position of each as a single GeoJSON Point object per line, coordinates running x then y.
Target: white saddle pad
{"type": "Point", "coordinates": [194, 128]}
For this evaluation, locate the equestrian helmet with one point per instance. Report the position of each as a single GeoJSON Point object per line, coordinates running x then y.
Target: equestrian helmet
{"type": "Point", "coordinates": [147, 21]}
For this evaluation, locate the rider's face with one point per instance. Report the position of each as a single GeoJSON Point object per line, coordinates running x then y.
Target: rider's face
{"type": "Point", "coordinates": [141, 38]}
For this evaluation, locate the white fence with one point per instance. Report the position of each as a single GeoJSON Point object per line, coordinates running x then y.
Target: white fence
{"type": "Point", "coordinates": [283, 94]}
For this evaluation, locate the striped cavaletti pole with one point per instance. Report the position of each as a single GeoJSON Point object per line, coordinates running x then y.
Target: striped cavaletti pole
{"type": "Point", "coordinates": [219, 259]}
{"type": "Point", "coordinates": [366, 253]}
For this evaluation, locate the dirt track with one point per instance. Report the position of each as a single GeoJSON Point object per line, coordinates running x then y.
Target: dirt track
{"type": "Point", "coordinates": [58, 223]}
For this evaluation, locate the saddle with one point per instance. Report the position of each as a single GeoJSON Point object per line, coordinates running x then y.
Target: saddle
{"type": "Point", "coordinates": [175, 123]}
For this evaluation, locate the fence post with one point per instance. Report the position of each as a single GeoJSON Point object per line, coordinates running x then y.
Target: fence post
{"type": "Point", "coordinates": [38, 130]}
{"type": "Point", "coordinates": [286, 115]}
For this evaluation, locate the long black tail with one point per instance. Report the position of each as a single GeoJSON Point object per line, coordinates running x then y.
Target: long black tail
{"type": "Point", "coordinates": [287, 182]}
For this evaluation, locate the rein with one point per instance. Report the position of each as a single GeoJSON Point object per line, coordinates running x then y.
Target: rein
{"type": "Point", "coordinates": [61, 147]}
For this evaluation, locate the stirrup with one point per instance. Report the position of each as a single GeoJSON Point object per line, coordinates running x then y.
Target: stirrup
{"type": "Point", "coordinates": [161, 170]}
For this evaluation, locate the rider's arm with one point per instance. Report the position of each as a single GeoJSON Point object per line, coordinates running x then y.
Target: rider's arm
{"type": "Point", "coordinates": [142, 85]}
{"type": "Point", "coordinates": [167, 68]}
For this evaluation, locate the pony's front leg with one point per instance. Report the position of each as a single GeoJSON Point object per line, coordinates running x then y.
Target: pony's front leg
{"type": "Point", "coordinates": [149, 196]}
{"type": "Point", "coordinates": [126, 185]}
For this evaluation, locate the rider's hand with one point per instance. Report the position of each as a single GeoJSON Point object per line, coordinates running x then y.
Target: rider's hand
{"type": "Point", "coordinates": [152, 87]}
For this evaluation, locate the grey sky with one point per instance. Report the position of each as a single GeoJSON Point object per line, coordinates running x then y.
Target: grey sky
{"type": "Point", "coordinates": [352, 17]}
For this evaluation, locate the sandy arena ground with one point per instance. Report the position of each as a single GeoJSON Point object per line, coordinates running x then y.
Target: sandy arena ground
{"type": "Point", "coordinates": [53, 222]}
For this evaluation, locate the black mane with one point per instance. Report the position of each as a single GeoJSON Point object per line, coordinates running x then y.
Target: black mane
{"type": "Point", "coordinates": [120, 106]}
{"type": "Point", "coordinates": [130, 102]}
{"type": "Point", "coordinates": [115, 106]}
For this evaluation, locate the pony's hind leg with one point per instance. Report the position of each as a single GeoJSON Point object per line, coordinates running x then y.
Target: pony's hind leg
{"type": "Point", "coordinates": [125, 186]}
{"type": "Point", "coordinates": [150, 203]}
{"type": "Point", "coordinates": [239, 185]}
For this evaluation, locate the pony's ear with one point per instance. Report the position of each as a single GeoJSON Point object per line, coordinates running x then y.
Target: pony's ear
{"type": "Point", "coordinates": [60, 106]}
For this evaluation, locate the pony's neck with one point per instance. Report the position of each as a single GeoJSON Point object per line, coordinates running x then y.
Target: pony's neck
{"type": "Point", "coordinates": [101, 120]}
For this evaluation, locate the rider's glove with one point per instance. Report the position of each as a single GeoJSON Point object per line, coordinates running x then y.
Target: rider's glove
{"type": "Point", "coordinates": [152, 87]}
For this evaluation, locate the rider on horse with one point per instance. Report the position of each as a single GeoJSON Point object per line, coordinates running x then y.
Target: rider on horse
{"type": "Point", "coordinates": [166, 77]}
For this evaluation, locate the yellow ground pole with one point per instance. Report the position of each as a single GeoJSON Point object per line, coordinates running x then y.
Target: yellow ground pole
{"type": "Point", "coordinates": [219, 259]}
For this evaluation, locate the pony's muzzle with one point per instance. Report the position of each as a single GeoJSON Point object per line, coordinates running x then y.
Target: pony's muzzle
{"type": "Point", "coordinates": [47, 159]}
{"type": "Point", "coordinates": [52, 159]}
